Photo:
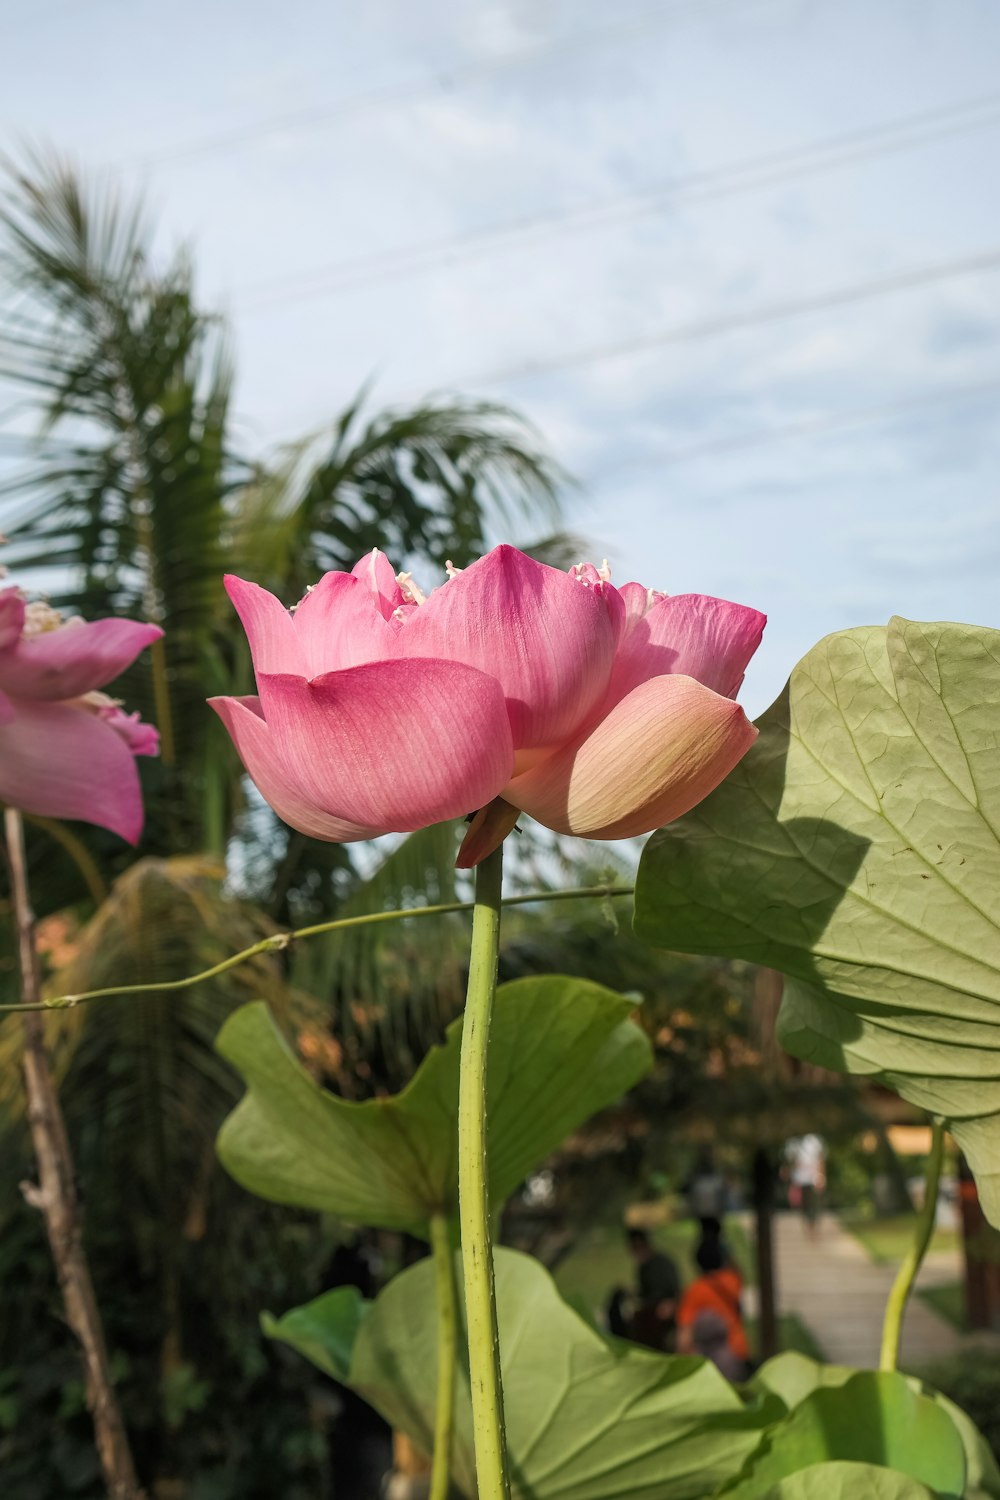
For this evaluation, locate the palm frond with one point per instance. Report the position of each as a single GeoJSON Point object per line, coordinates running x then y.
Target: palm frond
{"type": "Point", "coordinates": [141, 1083]}
{"type": "Point", "coordinates": [428, 483]}
{"type": "Point", "coordinates": [392, 989]}
{"type": "Point", "coordinates": [131, 513]}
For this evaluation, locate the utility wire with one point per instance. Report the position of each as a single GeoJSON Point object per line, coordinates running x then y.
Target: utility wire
{"type": "Point", "coordinates": [774, 312]}
{"type": "Point", "coordinates": [906, 133]}
{"type": "Point", "coordinates": [387, 95]}
{"type": "Point", "coordinates": [857, 416]}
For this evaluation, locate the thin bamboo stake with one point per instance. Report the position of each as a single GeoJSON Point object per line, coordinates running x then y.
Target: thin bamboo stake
{"type": "Point", "coordinates": [55, 1194]}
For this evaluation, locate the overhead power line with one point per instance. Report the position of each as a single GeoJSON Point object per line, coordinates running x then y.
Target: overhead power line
{"type": "Point", "coordinates": [905, 133]}
{"type": "Point", "coordinates": [463, 71]}
{"type": "Point", "coordinates": [774, 312]}
{"type": "Point", "coordinates": [858, 416]}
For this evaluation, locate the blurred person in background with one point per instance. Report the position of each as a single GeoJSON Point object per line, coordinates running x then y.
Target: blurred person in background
{"type": "Point", "coordinates": [706, 1190]}
{"type": "Point", "coordinates": [654, 1322]}
{"type": "Point", "coordinates": [710, 1313]}
{"type": "Point", "coordinates": [805, 1169]}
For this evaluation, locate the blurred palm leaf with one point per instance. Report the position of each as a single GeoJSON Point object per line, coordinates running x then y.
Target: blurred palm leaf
{"type": "Point", "coordinates": [141, 1084]}
{"type": "Point", "coordinates": [129, 514]}
{"type": "Point", "coordinates": [421, 483]}
{"type": "Point", "coordinates": [133, 500]}
{"type": "Point", "coordinates": [393, 988]}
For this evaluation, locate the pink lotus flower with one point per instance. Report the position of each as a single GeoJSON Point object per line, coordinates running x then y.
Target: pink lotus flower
{"type": "Point", "coordinates": [66, 749]}
{"type": "Point", "coordinates": [598, 711]}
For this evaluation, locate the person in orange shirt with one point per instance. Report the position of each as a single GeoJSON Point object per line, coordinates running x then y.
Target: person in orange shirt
{"type": "Point", "coordinates": [710, 1317]}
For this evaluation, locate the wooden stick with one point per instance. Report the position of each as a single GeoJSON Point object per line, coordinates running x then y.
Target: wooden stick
{"type": "Point", "coordinates": [56, 1197]}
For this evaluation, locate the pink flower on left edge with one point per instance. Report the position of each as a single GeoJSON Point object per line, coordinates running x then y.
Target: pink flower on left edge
{"type": "Point", "coordinates": [513, 687]}
{"type": "Point", "coordinates": [67, 750]}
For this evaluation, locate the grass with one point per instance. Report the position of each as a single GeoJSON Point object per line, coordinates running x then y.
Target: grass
{"type": "Point", "coordinates": [887, 1240]}
{"type": "Point", "coordinates": [600, 1261]}
{"type": "Point", "coordinates": [793, 1336]}
{"type": "Point", "coordinates": [949, 1301]}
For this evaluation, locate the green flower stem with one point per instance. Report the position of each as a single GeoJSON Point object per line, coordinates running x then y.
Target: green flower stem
{"type": "Point", "coordinates": [280, 940]}
{"type": "Point", "coordinates": [444, 1408]}
{"type": "Point", "coordinates": [473, 1189]}
{"type": "Point", "coordinates": [892, 1328]}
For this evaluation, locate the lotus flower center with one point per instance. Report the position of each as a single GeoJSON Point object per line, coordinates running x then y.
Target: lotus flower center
{"type": "Point", "coordinates": [412, 592]}
{"type": "Point", "coordinates": [40, 618]}
{"type": "Point", "coordinates": [588, 575]}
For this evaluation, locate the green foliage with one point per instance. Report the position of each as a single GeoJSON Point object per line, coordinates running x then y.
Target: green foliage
{"type": "Point", "coordinates": [889, 1422]}
{"type": "Point", "coordinates": [130, 505]}
{"type": "Point", "coordinates": [325, 1330]}
{"type": "Point", "coordinates": [848, 1481]}
{"type": "Point", "coordinates": [182, 1259]}
{"type": "Point", "coordinates": [872, 1418]}
{"type": "Point", "coordinates": [591, 1418]}
{"type": "Point", "coordinates": [585, 1419]}
{"type": "Point", "coordinates": [856, 848]}
{"type": "Point", "coordinates": [560, 1049]}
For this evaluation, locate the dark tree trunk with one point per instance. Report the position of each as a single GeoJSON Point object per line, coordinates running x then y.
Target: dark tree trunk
{"type": "Point", "coordinates": [763, 1203]}
{"type": "Point", "coordinates": [982, 1256]}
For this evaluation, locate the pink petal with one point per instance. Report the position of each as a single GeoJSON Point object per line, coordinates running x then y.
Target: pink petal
{"type": "Point", "coordinates": [59, 761]}
{"type": "Point", "coordinates": [375, 572]}
{"type": "Point", "coordinates": [340, 624]}
{"type": "Point", "coordinates": [708, 639]}
{"type": "Point", "coordinates": [394, 745]}
{"type": "Point", "coordinates": [11, 617]}
{"type": "Point", "coordinates": [6, 709]}
{"type": "Point", "coordinates": [337, 624]}
{"type": "Point", "coordinates": [274, 643]}
{"type": "Point", "coordinates": [546, 637]}
{"type": "Point", "coordinates": [73, 659]}
{"type": "Point", "coordinates": [659, 751]}
{"type": "Point", "coordinates": [141, 738]}
{"type": "Point", "coordinates": [637, 601]}
{"type": "Point", "coordinates": [275, 780]}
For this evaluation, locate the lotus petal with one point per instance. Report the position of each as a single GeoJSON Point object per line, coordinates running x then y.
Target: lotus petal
{"type": "Point", "coordinates": [660, 750]}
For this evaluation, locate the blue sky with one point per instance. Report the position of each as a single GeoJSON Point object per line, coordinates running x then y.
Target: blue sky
{"type": "Point", "coordinates": [831, 467]}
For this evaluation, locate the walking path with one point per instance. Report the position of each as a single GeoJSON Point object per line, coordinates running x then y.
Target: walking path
{"type": "Point", "coordinates": [830, 1283]}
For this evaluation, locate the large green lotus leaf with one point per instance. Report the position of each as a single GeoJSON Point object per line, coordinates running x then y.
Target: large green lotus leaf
{"type": "Point", "coordinates": [793, 1377]}
{"type": "Point", "coordinates": [873, 1418]}
{"type": "Point", "coordinates": [847, 1481]}
{"type": "Point", "coordinates": [857, 848]}
{"type": "Point", "coordinates": [560, 1049]}
{"type": "Point", "coordinates": [982, 1473]}
{"type": "Point", "coordinates": [586, 1420]}
{"type": "Point", "coordinates": [324, 1330]}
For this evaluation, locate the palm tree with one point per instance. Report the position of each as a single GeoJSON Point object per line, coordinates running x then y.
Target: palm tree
{"type": "Point", "coordinates": [129, 495]}
{"type": "Point", "coordinates": [132, 497]}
